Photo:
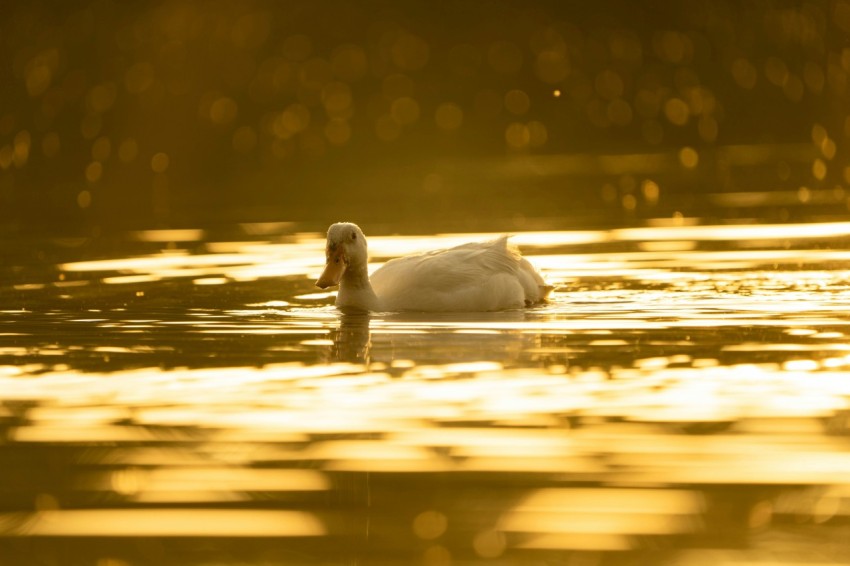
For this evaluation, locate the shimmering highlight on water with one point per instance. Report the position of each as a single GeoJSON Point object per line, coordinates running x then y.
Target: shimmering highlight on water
{"type": "Point", "coordinates": [666, 398]}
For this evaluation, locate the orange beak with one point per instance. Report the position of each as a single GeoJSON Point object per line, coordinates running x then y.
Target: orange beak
{"type": "Point", "coordinates": [333, 269]}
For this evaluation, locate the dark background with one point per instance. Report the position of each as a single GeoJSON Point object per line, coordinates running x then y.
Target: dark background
{"type": "Point", "coordinates": [118, 115]}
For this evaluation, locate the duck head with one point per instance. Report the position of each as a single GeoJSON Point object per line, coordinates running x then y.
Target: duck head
{"type": "Point", "coordinates": [346, 247]}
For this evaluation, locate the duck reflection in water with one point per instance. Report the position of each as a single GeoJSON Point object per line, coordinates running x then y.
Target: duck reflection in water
{"type": "Point", "coordinates": [433, 338]}
{"type": "Point", "coordinates": [352, 339]}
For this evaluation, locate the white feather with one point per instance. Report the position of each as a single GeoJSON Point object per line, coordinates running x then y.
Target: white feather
{"type": "Point", "coordinates": [481, 276]}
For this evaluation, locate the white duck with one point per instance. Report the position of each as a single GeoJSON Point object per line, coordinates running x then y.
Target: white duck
{"type": "Point", "coordinates": [481, 276]}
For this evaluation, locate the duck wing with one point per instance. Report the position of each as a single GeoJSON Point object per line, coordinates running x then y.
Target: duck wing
{"type": "Point", "coordinates": [476, 276]}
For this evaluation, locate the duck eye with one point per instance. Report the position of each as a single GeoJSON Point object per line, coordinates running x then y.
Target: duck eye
{"type": "Point", "coordinates": [354, 235]}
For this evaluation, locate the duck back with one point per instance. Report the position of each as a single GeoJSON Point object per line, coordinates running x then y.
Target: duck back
{"type": "Point", "coordinates": [481, 276]}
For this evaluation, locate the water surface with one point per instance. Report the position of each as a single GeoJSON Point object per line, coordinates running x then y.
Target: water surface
{"type": "Point", "coordinates": [188, 398]}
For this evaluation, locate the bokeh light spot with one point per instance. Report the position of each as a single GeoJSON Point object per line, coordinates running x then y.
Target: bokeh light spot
{"type": "Point", "coordinates": [139, 78]}
{"type": "Point", "coordinates": [517, 135]}
{"type": "Point", "coordinates": [429, 525]}
{"type": "Point", "coordinates": [688, 157]}
{"type": "Point", "coordinates": [84, 199]}
{"type": "Point", "coordinates": [349, 62]}
{"type": "Point", "coordinates": [6, 156]}
{"type": "Point", "coordinates": [38, 77]}
{"type": "Point", "coordinates": [776, 71]}
{"type": "Point", "coordinates": [280, 74]}
{"type": "Point", "coordinates": [489, 544]}
{"type": "Point", "coordinates": [160, 162]}
{"type": "Point", "coordinates": [223, 110]}
{"type": "Point", "coordinates": [448, 116]}
{"type": "Point", "coordinates": [21, 149]}
{"type": "Point", "coordinates": [338, 131]}
{"type": "Point", "coordinates": [744, 73]}
{"type": "Point", "coordinates": [650, 190]}
{"type": "Point", "coordinates": [405, 111]}
{"type": "Point", "coordinates": [336, 98]}
{"type": "Point", "coordinates": [677, 111]}
{"type": "Point", "coordinates": [94, 171]}
{"type": "Point", "coordinates": [552, 66]}
{"type": "Point", "coordinates": [828, 148]}
{"type": "Point", "coordinates": [436, 555]}
{"type": "Point", "coordinates": [101, 149]}
{"type": "Point", "coordinates": [673, 46]}
{"type": "Point", "coordinates": [251, 30]}
{"type": "Point", "coordinates": [841, 15]}
{"type": "Point", "coordinates": [295, 119]}
{"type": "Point", "coordinates": [410, 52]}
{"type": "Point", "coordinates": [819, 169]}
{"type": "Point", "coordinates": [102, 97]}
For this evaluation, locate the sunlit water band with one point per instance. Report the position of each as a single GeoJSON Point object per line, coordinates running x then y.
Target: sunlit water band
{"type": "Point", "coordinates": [630, 406]}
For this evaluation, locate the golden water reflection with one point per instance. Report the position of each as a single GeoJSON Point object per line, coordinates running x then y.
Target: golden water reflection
{"type": "Point", "coordinates": [664, 402]}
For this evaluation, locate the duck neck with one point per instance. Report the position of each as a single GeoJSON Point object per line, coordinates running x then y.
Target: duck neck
{"type": "Point", "coordinates": [355, 290]}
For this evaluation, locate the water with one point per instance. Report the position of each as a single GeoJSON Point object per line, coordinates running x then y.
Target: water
{"type": "Point", "coordinates": [188, 397]}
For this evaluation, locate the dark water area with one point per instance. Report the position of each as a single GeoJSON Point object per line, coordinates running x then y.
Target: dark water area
{"type": "Point", "coordinates": [174, 389]}
{"type": "Point", "coordinates": [182, 114]}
